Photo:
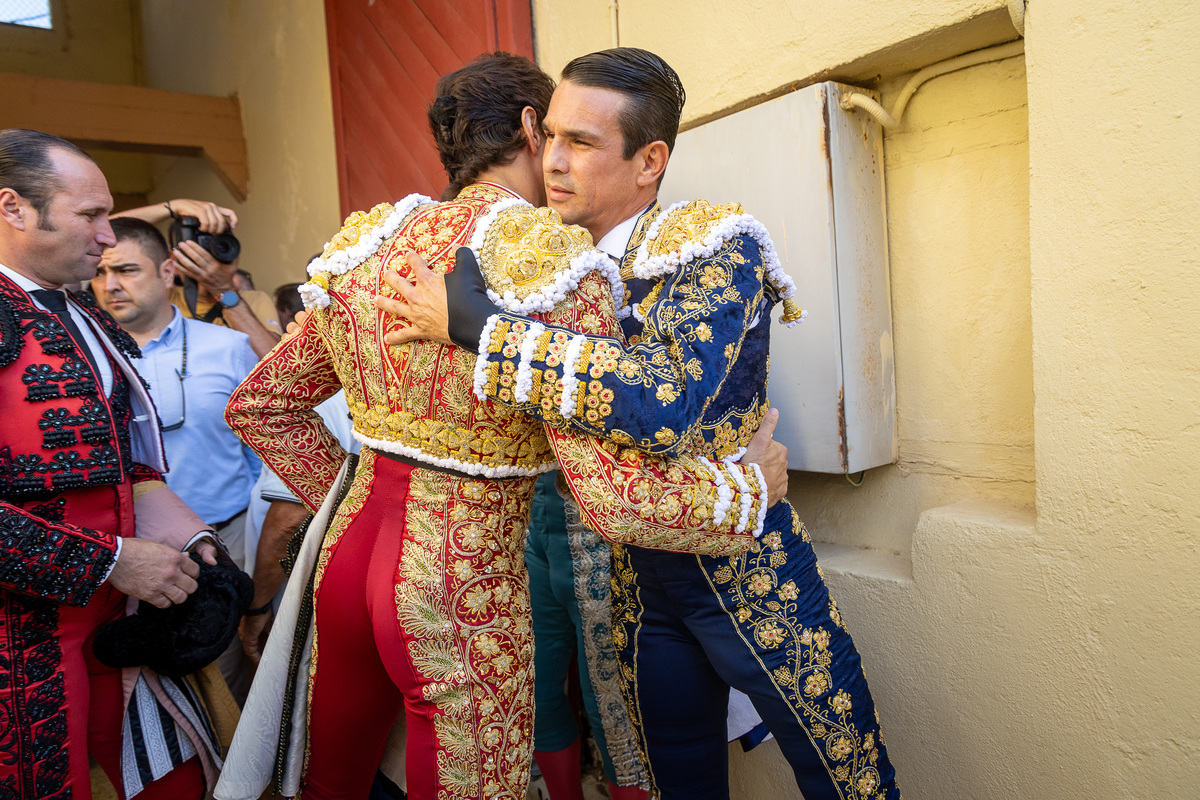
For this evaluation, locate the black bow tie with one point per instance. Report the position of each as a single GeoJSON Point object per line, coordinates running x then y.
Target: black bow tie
{"type": "Point", "coordinates": [55, 301]}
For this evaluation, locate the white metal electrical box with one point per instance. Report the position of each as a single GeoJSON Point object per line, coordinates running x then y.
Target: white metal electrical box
{"type": "Point", "coordinates": [813, 174]}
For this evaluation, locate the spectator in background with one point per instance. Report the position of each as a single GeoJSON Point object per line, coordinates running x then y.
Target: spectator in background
{"type": "Point", "coordinates": [249, 311]}
{"type": "Point", "coordinates": [288, 303]}
{"type": "Point", "coordinates": [192, 367]}
{"type": "Point", "coordinates": [243, 281]}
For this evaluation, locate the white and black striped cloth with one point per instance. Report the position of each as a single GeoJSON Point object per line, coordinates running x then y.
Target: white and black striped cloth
{"type": "Point", "coordinates": [152, 742]}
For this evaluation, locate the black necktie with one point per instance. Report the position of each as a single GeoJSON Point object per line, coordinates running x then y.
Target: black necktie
{"type": "Point", "coordinates": [55, 302]}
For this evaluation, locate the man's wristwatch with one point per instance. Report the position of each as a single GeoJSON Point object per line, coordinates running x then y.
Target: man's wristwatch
{"type": "Point", "coordinates": [230, 299]}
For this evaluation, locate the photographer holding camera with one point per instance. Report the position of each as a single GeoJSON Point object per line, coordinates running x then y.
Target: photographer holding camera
{"type": "Point", "coordinates": [206, 252]}
{"type": "Point", "coordinates": [191, 368]}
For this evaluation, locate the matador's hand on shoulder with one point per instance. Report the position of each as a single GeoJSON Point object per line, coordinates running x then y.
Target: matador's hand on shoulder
{"type": "Point", "coordinates": [424, 302]}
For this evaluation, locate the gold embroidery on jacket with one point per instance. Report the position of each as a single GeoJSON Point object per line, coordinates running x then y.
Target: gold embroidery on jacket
{"type": "Point", "coordinates": [462, 599]}
{"type": "Point", "coordinates": [419, 395]}
{"type": "Point", "coordinates": [526, 247]}
{"type": "Point", "coordinates": [691, 223]}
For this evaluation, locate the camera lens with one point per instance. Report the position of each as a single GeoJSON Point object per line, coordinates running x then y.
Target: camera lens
{"type": "Point", "coordinates": [225, 248]}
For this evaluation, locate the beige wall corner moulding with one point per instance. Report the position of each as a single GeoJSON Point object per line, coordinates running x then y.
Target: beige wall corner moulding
{"type": "Point", "coordinates": [132, 119]}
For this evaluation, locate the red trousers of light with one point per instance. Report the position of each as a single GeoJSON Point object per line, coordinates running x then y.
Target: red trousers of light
{"type": "Point", "coordinates": [422, 609]}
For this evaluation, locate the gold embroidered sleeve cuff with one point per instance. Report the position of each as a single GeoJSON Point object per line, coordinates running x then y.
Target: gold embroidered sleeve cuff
{"type": "Point", "coordinates": [682, 505]}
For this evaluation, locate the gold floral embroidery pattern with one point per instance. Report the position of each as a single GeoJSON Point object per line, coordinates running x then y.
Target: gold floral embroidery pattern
{"type": "Point", "coordinates": [634, 498]}
{"type": "Point", "coordinates": [526, 248]}
{"type": "Point", "coordinates": [692, 223]}
{"type": "Point", "coordinates": [462, 598]}
{"type": "Point", "coordinates": [635, 240]}
{"type": "Point", "coordinates": [357, 224]}
{"type": "Point", "coordinates": [272, 413]}
{"type": "Point", "coordinates": [434, 413]}
{"type": "Point", "coordinates": [591, 565]}
{"type": "Point", "coordinates": [699, 292]}
{"type": "Point", "coordinates": [626, 601]}
{"type": "Point", "coordinates": [415, 399]}
{"type": "Point", "coordinates": [625, 495]}
{"type": "Point", "coordinates": [754, 595]}
{"type": "Point", "coordinates": [678, 360]}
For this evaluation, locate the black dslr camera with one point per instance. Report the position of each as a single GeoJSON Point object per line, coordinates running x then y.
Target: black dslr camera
{"type": "Point", "coordinates": [224, 247]}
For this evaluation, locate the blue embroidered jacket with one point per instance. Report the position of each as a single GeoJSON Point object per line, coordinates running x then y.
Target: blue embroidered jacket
{"type": "Point", "coordinates": [688, 373]}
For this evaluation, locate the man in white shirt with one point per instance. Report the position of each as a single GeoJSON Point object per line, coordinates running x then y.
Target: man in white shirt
{"type": "Point", "coordinates": [79, 454]}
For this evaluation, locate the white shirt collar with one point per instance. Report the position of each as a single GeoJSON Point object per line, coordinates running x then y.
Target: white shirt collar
{"type": "Point", "coordinates": [87, 326]}
{"type": "Point", "coordinates": [28, 284]}
{"type": "Point", "coordinates": [616, 241]}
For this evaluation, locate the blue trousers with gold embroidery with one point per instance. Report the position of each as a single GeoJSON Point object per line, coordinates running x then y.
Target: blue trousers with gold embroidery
{"type": "Point", "coordinates": [689, 627]}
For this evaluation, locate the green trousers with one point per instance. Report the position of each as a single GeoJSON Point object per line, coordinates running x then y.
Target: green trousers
{"type": "Point", "coordinates": [557, 629]}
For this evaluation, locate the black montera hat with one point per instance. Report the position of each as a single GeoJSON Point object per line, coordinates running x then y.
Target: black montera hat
{"type": "Point", "coordinates": [182, 638]}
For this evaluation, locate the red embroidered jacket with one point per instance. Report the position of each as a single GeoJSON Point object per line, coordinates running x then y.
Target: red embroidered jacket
{"type": "Point", "coordinates": [64, 448]}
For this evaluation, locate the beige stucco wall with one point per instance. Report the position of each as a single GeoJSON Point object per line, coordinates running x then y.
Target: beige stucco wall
{"type": "Point", "coordinates": [92, 40]}
{"type": "Point", "coordinates": [274, 57]}
{"type": "Point", "coordinates": [1116, 321]}
{"type": "Point", "coordinates": [1043, 257]}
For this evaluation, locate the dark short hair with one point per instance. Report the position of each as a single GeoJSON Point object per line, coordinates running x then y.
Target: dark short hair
{"type": "Point", "coordinates": [287, 298]}
{"type": "Point", "coordinates": [476, 116]}
{"type": "Point", "coordinates": [654, 94]}
{"type": "Point", "coordinates": [145, 235]}
{"type": "Point", "coordinates": [26, 168]}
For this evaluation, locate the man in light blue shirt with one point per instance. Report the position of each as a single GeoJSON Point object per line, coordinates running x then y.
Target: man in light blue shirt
{"type": "Point", "coordinates": [192, 367]}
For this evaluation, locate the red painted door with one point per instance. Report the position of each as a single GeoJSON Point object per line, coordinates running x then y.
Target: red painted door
{"type": "Point", "coordinates": [385, 57]}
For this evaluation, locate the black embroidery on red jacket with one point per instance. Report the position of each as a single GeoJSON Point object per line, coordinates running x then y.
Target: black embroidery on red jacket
{"type": "Point", "coordinates": [32, 702]}
{"type": "Point", "coordinates": [45, 561]}
{"type": "Point", "coordinates": [52, 560]}
{"type": "Point", "coordinates": [11, 340]}
{"type": "Point", "coordinates": [57, 380]}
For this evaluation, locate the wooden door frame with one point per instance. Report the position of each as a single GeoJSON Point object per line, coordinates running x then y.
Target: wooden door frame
{"type": "Point", "coordinates": [510, 29]}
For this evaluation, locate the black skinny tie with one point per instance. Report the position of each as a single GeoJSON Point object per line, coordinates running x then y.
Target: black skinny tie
{"type": "Point", "coordinates": [55, 302]}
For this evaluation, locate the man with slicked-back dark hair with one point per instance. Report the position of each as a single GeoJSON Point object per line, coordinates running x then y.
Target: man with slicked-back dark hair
{"type": "Point", "coordinates": [688, 376]}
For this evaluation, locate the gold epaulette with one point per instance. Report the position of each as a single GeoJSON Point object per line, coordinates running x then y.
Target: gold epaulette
{"type": "Point", "coordinates": [690, 222]}
{"type": "Point", "coordinates": [529, 256]}
{"type": "Point", "coordinates": [355, 226]}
